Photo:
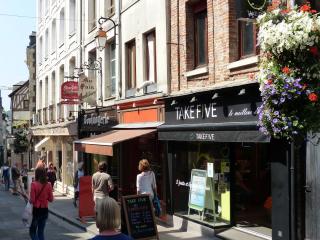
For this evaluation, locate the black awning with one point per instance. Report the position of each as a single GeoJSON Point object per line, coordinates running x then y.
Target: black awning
{"type": "Point", "coordinates": [215, 132]}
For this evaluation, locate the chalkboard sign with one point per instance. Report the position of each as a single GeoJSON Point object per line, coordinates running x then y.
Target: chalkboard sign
{"type": "Point", "coordinates": [139, 216]}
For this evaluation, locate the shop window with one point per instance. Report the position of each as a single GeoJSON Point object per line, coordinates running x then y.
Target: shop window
{"type": "Point", "coordinates": [131, 64]}
{"type": "Point", "coordinates": [201, 182]}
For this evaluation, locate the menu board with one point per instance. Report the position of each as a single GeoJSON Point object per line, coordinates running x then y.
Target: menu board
{"type": "Point", "coordinates": [139, 217]}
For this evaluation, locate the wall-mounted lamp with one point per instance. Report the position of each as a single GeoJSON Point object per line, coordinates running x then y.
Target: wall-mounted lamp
{"type": "Point", "coordinates": [118, 107]}
{"type": "Point", "coordinates": [155, 101]}
{"type": "Point", "coordinates": [174, 102]}
{"type": "Point", "coordinates": [193, 99]}
{"type": "Point", "coordinates": [101, 35]}
{"type": "Point", "coordinates": [133, 105]}
{"type": "Point", "coordinates": [216, 95]}
{"type": "Point", "coordinates": [242, 92]}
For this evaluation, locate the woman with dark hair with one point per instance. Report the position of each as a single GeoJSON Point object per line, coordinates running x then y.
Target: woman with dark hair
{"type": "Point", "coordinates": [51, 174]}
{"type": "Point", "coordinates": [40, 195]}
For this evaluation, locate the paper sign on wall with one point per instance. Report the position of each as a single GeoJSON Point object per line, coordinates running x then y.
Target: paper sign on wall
{"type": "Point", "coordinates": [210, 170]}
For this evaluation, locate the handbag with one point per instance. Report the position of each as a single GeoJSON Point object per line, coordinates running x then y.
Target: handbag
{"type": "Point", "coordinates": [27, 212]}
{"type": "Point", "coordinates": [156, 205]}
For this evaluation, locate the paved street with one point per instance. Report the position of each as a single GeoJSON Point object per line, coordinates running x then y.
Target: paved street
{"type": "Point", "coordinates": [11, 227]}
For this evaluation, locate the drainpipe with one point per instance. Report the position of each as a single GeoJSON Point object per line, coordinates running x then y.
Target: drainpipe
{"type": "Point", "coordinates": [292, 192]}
{"type": "Point", "coordinates": [118, 41]}
{"type": "Point", "coordinates": [178, 43]}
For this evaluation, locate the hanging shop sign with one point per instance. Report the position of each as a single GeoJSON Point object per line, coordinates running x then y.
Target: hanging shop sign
{"type": "Point", "coordinates": [87, 90]}
{"type": "Point", "coordinates": [69, 90]}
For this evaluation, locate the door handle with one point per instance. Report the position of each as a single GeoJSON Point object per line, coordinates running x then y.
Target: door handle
{"type": "Point", "coordinates": [307, 188]}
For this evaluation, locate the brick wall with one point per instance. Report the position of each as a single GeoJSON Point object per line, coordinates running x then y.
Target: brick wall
{"type": "Point", "coordinates": [222, 45]}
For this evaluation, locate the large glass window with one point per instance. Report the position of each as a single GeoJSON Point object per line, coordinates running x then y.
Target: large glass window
{"type": "Point", "coordinates": [201, 181]}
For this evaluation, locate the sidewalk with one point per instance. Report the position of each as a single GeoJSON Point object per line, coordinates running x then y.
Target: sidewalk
{"type": "Point", "coordinates": [62, 207]}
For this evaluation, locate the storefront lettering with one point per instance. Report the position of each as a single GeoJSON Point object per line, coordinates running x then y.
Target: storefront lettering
{"type": "Point", "coordinates": [205, 136]}
{"type": "Point", "coordinates": [96, 120]}
{"type": "Point", "coordinates": [243, 112]}
{"type": "Point", "coordinates": [196, 111]}
{"type": "Point", "coordinates": [182, 183]}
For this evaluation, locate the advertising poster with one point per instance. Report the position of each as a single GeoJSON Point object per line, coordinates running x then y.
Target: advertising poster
{"type": "Point", "coordinates": [197, 192]}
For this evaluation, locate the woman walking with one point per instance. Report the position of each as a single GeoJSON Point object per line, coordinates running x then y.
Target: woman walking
{"type": "Point", "coordinates": [40, 195]}
{"type": "Point", "coordinates": [51, 174]}
{"type": "Point", "coordinates": [146, 180]}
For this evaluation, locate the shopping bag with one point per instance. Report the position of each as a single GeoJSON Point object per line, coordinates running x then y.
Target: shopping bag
{"type": "Point", "coordinates": [157, 206]}
{"type": "Point", "coordinates": [27, 214]}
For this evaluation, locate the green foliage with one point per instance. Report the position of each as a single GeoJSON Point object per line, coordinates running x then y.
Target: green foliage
{"type": "Point", "coordinates": [20, 141]}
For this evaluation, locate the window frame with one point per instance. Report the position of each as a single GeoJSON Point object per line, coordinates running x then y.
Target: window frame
{"type": "Point", "coordinates": [147, 57]}
{"type": "Point", "coordinates": [131, 45]}
{"type": "Point", "coordinates": [197, 11]}
{"type": "Point", "coordinates": [255, 50]}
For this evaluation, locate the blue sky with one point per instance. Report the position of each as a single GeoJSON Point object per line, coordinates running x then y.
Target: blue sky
{"type": "Point", "coordinates": [14, 38]}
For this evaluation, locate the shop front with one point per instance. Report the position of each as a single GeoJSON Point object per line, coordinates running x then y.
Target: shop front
{"type": "Point", "coordinates": [125, 144]}
{"type": "Point", "coordinates": [221, 169]}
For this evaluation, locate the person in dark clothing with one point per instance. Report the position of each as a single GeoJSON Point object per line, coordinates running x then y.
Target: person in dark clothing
{"type": "Point", "coordinates": [6, 175]}
{"type": "Point", "coordinates": [51, 174]}
{"type": "Point", "coordinates": [15, 175]}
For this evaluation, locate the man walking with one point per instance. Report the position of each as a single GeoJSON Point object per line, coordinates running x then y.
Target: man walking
{"type": "Point", "coordinates": [101, 182]}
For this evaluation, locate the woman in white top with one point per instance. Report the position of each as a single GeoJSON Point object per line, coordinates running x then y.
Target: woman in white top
{"type": "Point", "coordinates": [146, 180]}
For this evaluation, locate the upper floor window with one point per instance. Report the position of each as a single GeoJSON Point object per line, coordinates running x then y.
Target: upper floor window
{"type": "Point", "coordinates": [109, 4]}
{"type": "Point", "coordinates": [111, 69]}
{"type": "Point", "coordinates": [247, 30]}
{"type": "Point", "coordinates": [46, 47]}
{"type": "Point", "coordinates": [62, 28]}
{"type": "Point", "coordinates": [201, 38]}
{"type": "Point", "coordinates": [72, 16]}
{"type": "Point", "coordinates": [150, 57]}
{"type": "Point", "coordinates": [91, 14]}
{"type": "Point", "coordinates": [131, 64]}
{"type": "Point", "coordinates": [54, 36]}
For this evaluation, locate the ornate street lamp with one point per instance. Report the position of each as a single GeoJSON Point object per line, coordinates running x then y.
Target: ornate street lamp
{"type": "Point", "coordinates": [101, 36]}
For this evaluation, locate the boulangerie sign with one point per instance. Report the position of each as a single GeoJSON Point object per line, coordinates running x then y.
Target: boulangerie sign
{"type": "Point", "coordinates": [87, 90]}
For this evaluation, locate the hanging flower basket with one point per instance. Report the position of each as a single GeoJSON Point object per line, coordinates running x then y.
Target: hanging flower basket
{"type": "Point", "coordinates": [289, 71]}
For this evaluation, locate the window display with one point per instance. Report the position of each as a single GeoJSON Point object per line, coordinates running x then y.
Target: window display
{"type": "Point", "coordinates": [201, 186]}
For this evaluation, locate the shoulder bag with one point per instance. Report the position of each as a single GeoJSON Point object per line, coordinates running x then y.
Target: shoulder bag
{"type": "Point", "coordinates": [27, 212]}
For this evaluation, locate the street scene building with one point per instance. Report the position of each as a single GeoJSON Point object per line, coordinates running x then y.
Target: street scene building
{"type": "Point", "coordinates": [226, 116]}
